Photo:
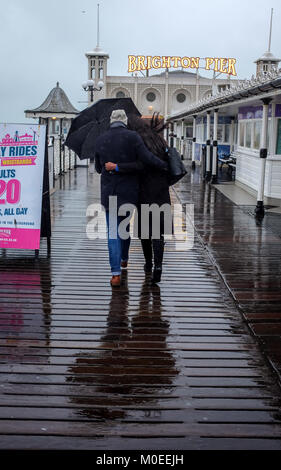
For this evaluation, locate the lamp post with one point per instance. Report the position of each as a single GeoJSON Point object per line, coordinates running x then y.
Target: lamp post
{"type": "Point", "coordinates": [89, 86]}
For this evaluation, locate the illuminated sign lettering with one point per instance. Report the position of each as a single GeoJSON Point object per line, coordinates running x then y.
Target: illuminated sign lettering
{"type": "Point", "coordinates": [217, 64]}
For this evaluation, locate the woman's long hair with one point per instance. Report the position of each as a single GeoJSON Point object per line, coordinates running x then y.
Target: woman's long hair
{"type": "Point", "coordinates": [150, 133]}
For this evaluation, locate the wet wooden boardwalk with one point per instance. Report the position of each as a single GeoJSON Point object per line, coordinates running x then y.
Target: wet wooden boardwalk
{"type": "Point", "coordinates": [85, 367]}
{"type": "Point", "coordinates": [247, 255]}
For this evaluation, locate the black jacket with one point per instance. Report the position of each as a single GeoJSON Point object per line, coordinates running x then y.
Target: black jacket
{"type": "Point", "coordinates": [120, 145]}
{"type": "Point", "coordinates": [154, 189]}
{"type": "Point", "coordinates": [154, 184]}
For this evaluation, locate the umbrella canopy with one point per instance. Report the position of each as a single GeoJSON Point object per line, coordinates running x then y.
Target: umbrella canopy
{"type": "Point", "coordinates": [94, 121]}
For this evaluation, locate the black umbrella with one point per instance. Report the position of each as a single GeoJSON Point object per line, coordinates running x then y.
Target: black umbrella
{"type": "Point", "coordinates": [94, 121]}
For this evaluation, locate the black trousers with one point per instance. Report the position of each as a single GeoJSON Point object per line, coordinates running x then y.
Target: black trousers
{"type": "Point", "coordinates": [153, 249]}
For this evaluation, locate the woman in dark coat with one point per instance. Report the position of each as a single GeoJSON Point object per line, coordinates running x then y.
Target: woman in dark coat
{"type": "Point", "coordinates": [154, 189]}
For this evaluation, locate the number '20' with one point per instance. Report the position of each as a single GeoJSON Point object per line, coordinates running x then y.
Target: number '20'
{"type": "Point", "coordinates": [12, 190]}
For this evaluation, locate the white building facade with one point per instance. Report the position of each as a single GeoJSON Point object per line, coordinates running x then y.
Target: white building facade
{"type": "Point", "coordinates": [165, 92]}
{"type": "Point", "coordinates": [248, 117]}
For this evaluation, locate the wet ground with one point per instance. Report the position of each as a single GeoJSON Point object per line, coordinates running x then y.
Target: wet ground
{"type": "Point", "coordinates": [247, 255]}
{"type": "Point", "coordinates": [140, 367]}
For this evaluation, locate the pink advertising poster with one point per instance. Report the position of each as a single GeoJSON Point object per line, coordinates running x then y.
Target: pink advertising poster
{"type": "Point", "coordinates": [22, 148]}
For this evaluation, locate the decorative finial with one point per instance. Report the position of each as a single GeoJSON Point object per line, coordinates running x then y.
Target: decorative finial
{"type": "Point", "coordinates": [58, 84]}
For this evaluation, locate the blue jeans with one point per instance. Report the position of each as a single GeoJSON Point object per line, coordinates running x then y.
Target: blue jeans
{"type": "Point", "coordinates": [118, 249]}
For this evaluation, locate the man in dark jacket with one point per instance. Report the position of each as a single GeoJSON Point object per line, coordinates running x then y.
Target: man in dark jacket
{"type": "Point", "coordinates": [121, 145]}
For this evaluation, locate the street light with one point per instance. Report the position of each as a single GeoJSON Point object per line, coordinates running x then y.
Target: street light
{"type": "Point", "coordinates": [89, 85]}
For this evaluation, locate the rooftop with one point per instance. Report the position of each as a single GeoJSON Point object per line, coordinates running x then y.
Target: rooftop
{"type": "Point", "coordinates": [268, 56]}
{"type": "Point", "coordinates": [178, 73]}
{"type": "Point", "coordinates": [56, 102]}
{"type": "Point", "coordinates": [97, 52]}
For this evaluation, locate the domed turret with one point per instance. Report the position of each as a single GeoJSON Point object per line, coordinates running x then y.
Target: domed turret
{"type": "Point", "coordinates": [267, 62]}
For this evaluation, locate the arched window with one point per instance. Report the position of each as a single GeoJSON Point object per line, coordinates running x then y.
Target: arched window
{"type": "Point", "coordinates": [120, 94]}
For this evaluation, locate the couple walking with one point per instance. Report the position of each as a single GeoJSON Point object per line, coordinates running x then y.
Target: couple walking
{"type": "Point", "coordinates": [132, 159]}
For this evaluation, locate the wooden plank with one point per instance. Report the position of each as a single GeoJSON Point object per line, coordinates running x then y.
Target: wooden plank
{"type": "Point", "coordinates": [81, 369]}
{"type": "Point", "coordinates": [135, 415]}
{"type": "Point", "coordinates": [78, 428]}
{"type": "Point", "coordinates": [126, 443]}
{"type": "Point", "coordinates": [57, 401]}
{"type": "Point", "coordinates": [138, 392]}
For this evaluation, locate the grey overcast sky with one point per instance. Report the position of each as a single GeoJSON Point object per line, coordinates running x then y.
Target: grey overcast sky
{"type": "Point", "coordinates": [43, 42]}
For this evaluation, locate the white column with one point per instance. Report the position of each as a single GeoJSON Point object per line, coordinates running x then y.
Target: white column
{"type": "Point", "coordinates": [175, 132]}
{"type": "Point", "coordinates": [263, 156]}
{"type": "Point", "coordinates": [166, 98]}
{"type": "Point", "coordinates": [272, 136]}
{"type": "Point", "coordinates": [193, 143]}
{"type": "Point", "coordinates": [232, 133]}
{"type": "Point", "coordinates": [167, 133]}
{"type": "Point", "coordinates": [182, 137]}
{"type": "Point", "coordinates": [215, 148]}
{"type": "Point", "coordinates": [197, 86]}
{"type": "Point", "coordinates": [208, 147]}
{"type": "Point", "coordinates": [136, 90]}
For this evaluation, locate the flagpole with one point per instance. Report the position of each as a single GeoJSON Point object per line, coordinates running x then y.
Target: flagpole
{"type": "Point", "coordinates": [270, 31]}
{"type": "Point", "coordinates": [98, 26]}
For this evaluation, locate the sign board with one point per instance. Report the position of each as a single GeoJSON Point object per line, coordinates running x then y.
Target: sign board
{"type": "Point", "coordinates": [22, 153]}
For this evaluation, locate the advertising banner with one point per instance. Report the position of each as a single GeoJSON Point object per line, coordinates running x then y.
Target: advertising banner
{"type": "Point", "coordinates": [22, 150]}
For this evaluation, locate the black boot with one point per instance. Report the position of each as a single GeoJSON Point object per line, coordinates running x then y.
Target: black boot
{"type": "Point", "coordinates": [147, 252]}
{"type": "Point", "coordinates": [157, 272]}
{"type": "Point", "coordinates": [147, 268]}
{"type": "Point", "coordinates": [158, 251]}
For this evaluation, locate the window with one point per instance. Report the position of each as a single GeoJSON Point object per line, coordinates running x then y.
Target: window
{"type": "Point", "coordinates": [242, 134]}
{"type": "Point", "coordinates": [181, 97]}
{"type": "Point", "coordinates": [220, 132]}
{"type": "Point", "coordinates": [189, 132]}
{"type": "Point", "coordinates": [223, 88]}
{"type": "Point", "coordinates": [120, 94]}
{"type": "Point", "coordinates": [54, 126]}
{"type": "Point", "coordinates": [248, 135]}
{"type": "Point", "coordinates": [227, 133]}
{"type": "Point", "coordinates": [236, 134]}
{"type": "Point", "coordinates": [151, 96]}
{"type": "Point", "coordinates": [199, 132]}
{"type": "Point", "coordinates": [278, 143]}
{"type": "Point", "coordinates": [257, 134]}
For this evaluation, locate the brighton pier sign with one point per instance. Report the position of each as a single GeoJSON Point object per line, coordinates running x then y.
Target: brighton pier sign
{"type": "Point", "coordinates": [217, 64]}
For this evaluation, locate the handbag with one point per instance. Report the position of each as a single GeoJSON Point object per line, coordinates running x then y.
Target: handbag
{"type": "Point", "coordinates": [176, 167]}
